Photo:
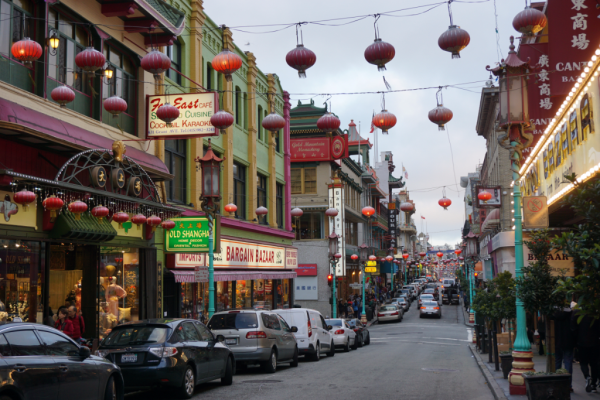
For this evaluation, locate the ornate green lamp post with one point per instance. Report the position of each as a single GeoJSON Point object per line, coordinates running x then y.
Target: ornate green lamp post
{"type": "Point", "coordinates": [364, 255]}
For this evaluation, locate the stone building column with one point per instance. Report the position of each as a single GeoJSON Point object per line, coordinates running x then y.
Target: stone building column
{"type": "Point", "coordinates": [287, 205]}
{"type": "Point", "coordinates": [252, 134]}
{"type": "Point", "coordinates": [272, 186]}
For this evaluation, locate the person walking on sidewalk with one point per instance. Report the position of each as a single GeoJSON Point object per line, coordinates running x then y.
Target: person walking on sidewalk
{"type": "Point", "coordinates": [588, 345]}
{"type": "Point", "coordinates": [565, 341]}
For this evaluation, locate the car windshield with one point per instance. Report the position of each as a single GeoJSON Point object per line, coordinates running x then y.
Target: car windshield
{"type": "Point", "coordinates": [430, 303]}
{"type": "Point", "coordinates": [132, 335]}
{"type": "Point", "coordinates": [233, 321]}
{"type": "Point", "coordinates": [430, 291]}
{"type": "Point", "coordinates": [388, 308]}
{"type": "Point", "coordinates": [426, 296]}
{"type": "Point", "coordinates": [334, 322]}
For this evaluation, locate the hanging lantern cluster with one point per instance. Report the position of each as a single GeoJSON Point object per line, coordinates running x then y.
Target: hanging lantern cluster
{"type": "Point", "coordinates": [440, 115]}
{"type": "Point", "coordinates": [530, 21]}
{"type": "Point", "coordinates": [156, 62]}
{"type": "Point", "coordinates": [167, 113]}
{"type": "Point", "coordinates": [455, 39]}
{"type": "Point", "coordinates": [300, 58]}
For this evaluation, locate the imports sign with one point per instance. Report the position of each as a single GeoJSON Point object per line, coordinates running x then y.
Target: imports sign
{"type": "Point", "coordinates": [195, 110]}
{"type": "Point", "coordinates": [190, 235]}
{"type": "Point", "coordinates": [238, 254]}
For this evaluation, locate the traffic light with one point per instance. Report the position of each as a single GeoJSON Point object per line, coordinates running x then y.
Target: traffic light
{"type": "Point", "coordinates": [330, 280]}
{"type": "Point", "coordinates": [476, 275]}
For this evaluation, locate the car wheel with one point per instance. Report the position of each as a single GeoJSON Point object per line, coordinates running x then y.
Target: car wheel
{"type": "Point", "coordinates": [294, 362]}
{"type": "Point", "coordinates": [331, 350]}
{"type": "Point", "coordinates": [186, 391]}
{"type": "Point", "coordinates": [361, 342]}
{"type": "Point", "coordinates": [317, 355]}
{"type": "Point", "coordinates": [368, 340]}
{"type": "Point", "coordinates": [270, 366]}
{"type": "Point", "coordinates": [420, 316]}
{"type": "Point", "coordinates": [347, 346]}
{"type": "Point", "coordinates": [355, 345]}
{"type": "Point", "coordinates": [227, 379]}
{"type": "Point", "coordinates": [109, 394]}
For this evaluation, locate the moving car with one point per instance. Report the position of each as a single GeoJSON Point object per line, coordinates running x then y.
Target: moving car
{"type": "Point", "coordinates": [432, 292]}
{"type": "Point", "coordinates": [362, 332]}
{"type": "Point", "coordinates": [39, 362]}
{"type": "Point", "coordinates": [450, 295]}
{"type": "Point", "coordinates": [173, 353]}
{"type": "Point", "coordinates": [313, 337]}
{"type": "Point", "coordinates": [425, 297]}
{"type": "Point", "coordinates": [400, 301]}
{"type": "Point", "coordinates": [257, 337]}
{"type": "Point", "coordinates": [430, 308]}
{"type": "Point", "coordinates": [412, 289]}
{"type": "Point", "coordinates": [406, 293]}
{"type": "Point", "coordinates": [390, 312]}
{"type": "Point", "coordinates": [343, 335]}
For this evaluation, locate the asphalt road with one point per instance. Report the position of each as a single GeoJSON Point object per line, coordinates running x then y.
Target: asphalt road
{"type": "Point", "coordinates": [414, 359]}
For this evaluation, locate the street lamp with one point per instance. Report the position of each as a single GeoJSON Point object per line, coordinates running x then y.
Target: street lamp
{"type": "Point", "coordinates": [210, 165]}
{"type": "Point", "coordinates": [471, 254]}
{"type": "Point", "coordinates": [333, 255]}
{"type": "Point", "coordinates": [405, 256]}
{"type": "Point", "coordinates": [363, 250]}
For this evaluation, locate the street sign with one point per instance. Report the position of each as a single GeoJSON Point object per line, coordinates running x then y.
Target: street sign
{"type": "Point", "coordinates": [190, 235]}
{"type": "Point", "coordinates": [370, 269]}
{"type": "Point", "coordinates": [201, 274]}
{"type": "Point", "coordinates": [535, 212]}
{"type": "Point", "coordinates": [356, 285]}
{"type": "Point", "coordinates": [371, 263]}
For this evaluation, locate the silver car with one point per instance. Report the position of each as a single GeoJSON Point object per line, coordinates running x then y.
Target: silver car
{"type": "Point", "coordinates": [343, 335]}
{"type": "Point", "coordinates": [430, 309]}
{"type": "Point", "coordinates": [401, 302]}
{"type": "Point", "coordinates": [257, 337]}
{"type": "Point", "coordinates": [390, 312]}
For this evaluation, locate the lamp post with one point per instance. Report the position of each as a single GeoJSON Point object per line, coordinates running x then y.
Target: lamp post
{"type": "Point", "coordinates": [389, 259]}
{"type": "Point", "coordinates": [333, 253]}
{"type": "Point", "coordinates": [210, 165]}
{"type": "Point", "coordinates": [472, 255]}
{"type": "Point", "coordinates": [405, 256]}
{"type": "Point", "coordinates": [364, 251]}
{"type": "Point", "coordinates": [514, 118]}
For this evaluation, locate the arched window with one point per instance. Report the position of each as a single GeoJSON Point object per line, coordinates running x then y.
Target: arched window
{"type": "Point", "coordinates": [587, 125]}
{"type": "Point", "coordinates": [259, 120]}
{"type": "Point", "coordinates": [209, 77]}
{"type": "Point", "coordinates": [238, 105]}
{"type": "Point", "coordinates": [573, 129]}
{"type": "Point", "coordinates": [246, 116]}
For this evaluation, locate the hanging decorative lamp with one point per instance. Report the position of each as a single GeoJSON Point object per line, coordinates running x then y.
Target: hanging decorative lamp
{"type": "Point", "coordinates": [63, 95]}
{"type": "Point", "coordinates": [440, 115]}
{"type": "Point", "coordinates": [53, 204]}
{"type": "Point", "coordinates": [440, 254]}
{"type": "Point", "coordinates": [300, 58]}
{"type": "Point", "coordinates": [530, 21]}
{"type": "Point", "coordinates": [230, 208]}
{"type": "Point", "coordinates": [455, 39]}
{"type": "Point", "coordinates": [368, 211]}
{"type": "Point", "coordinates": [273, 122]}
{"type": "Point", "coordinates": [226, 62]}
{"type": "Point", "coordinates": [167, 113]}
{"type": "Point", "coordinates": [260, 211]}
{"type": "Point", "coordinates": [139, 220]}
{"type": "Point", "coordinates": [90, 60]}
{"type": "Point", "coordinates": [385, 121]}
{"type": "Point", "coordinates": [100, 212]}
{"type": "Point", "coordinates": [444, 202]}
{"type": "Point", "coordinates": [422, 254]}
{"type": "Point", "coordinates": [77, 207]}
{"type": "Point", "coordinates": [115, 105]}
{"type": "Point", "coordinates": [354, 257]}
{"type": "Point", "coordinates": [297, 212]}
{"type": "Point", "coordinates": [407, 206]}
{"type": "Point", "coordinates": [379, 52]}
{"type": "Point", "coordinates": [221, 120]}
{"type": "Point", "coordinates": [372, 258]}
{"type": "Point", "coordinates": [153, 222]}
{"type": "Point", "coordinates": [120, 217]}
{"type": "Point", "coordinates": [168, 224]}
{"type": "Point", "coordinates": [24, 198]}
{"type": "Point", "coordinates": [484, 196]}
{"type": "Point", "coordinates": [156, 62]}
{"type": "Point", "coordinates": [26, 51]}
{"type": "Point", "coordinates": [328, 123]}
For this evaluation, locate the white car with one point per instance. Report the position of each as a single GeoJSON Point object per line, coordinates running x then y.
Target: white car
{"type": "Point", "coordinates": [390, 312]}
{"type": "Point", "coordinates": [425, 297]}
{"type": "Point", "coordinates": [313, 337]}
{"type": "Point", "coordinates": [343, 335]}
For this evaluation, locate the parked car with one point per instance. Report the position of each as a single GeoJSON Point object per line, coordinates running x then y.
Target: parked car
{"type": "Point", "coordinates": [430, 308]}
{"type": "Point", "coordinates": [412, 290]}
{"type": "Point", "coordinates": [257, 337]}
{"type": "Point", "coordinates": [173, 353]}
{"type": "Point", "coordinates": [39, 362]}
{"type": "Point", "coordinates": [313, 337]}
{"type": "Point", "coordinates": [401, 302]}
{"type": "Point", "coordinates": [343, 335]}
{"type": "Point", "coordinates": [390, 312]}
{"type": "Point", "coordinates": [362, 332]}
{"type": "Point", "coordinates": [406, 294]}
{"type": "Point", "coordinates": [433, 292]}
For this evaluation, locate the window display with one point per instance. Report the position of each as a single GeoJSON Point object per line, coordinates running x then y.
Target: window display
{"type": "Point", "coordinates": [223, 296]}
{"type": "Point", "coordinates": [243, 294]}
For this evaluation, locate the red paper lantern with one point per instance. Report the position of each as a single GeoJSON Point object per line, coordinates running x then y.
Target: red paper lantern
{"type": "Point", "coordinates": [338, 255]}
{"type": "Point", "coordinates": [444, 202]}
{"type": "Point", "coordinates": [227, 62]}
{"type": "Point", "coordinates": [230, 208]}
{"type": "Point", "coordinates": [24, 198]}
{"type": "Point", "coordinates": [260, 211]}
{"type": "Point", "coordinates": [368, 211]}
{"type": "Point", "coordinates": [26, 51]}
{"type": "Point", "coordinates": [115, 105]}
{"type": "Point", "coordinates": [380, 53]}
{"type": "Point", "coordinates": [382, 259]}
{"type": "Point", "coordinates": [273, 122]}
{"type": "Point", "coordinates": [62, 95]}
{"type": "Point", "coordinates": [156, 62]}
{"type": "Point", "coordinates": [120, 217]}
{"type": "Point", "coordinates": [407, 207]}
{"type": "Point", "coordinates": [90, 60]}
{"type": "Point", "coordinates": [100, 212]}
{"type": "Point", "coordinates": [372, 258]}
{"type": "Point", "coordinates": [405, 255]}
{"type": "Point", "coordinates": [139, 220]}
{"type": "Point", "coordinates": [422, 254]}
{"type": "Point", "coordinates": [153, 221]}
{"type": "Point", "coordinates": [297, 212]}
{"type": "Point", "coordinates": [77, 207]}
{"type": "Point", "coordinates": [328, 123]}
{"type": "Point", "coordinates": [457, 251]}
{"type": "Point", "coordinates": [168, 225]}
{"type": "Point", "coordinates": [301, 59]}
{"type": "Point", "coordinates": [389, 258]}
{"type": "Point", "coordinates": [530, 21]}
{"type": "Point", "coordinates": [384, 120]}
{"type": "Point", "coordinates": [221, 120]}
{"type": "Point", "coordinates": [167, 113]}
{"type": "Point", "coordinates": [440, 254]}
{"type": "Point", "coordinates": [484, 196]}
{"type": "Point", "coordinates": [53, 204]}
{"type": "Point", "coordinates": [440, 116]}
{"type": "Point", "coordinates": [354, 257]}
{"type": "Point", "coordinates": [454, 40]}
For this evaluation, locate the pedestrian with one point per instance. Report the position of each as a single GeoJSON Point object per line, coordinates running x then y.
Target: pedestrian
{"type": "Point", "coordinates": [355, 309]}
{"type": "Point", "coordinates": [341, 308]}
{"type": "Point", "coordinates": [63, 324]}
{"type": "Point", "coordinates": [565, 341]}
{"type": "Point", "coordinates": [587, 336]}
{"type": "Point", "coordinates": [78, 324]}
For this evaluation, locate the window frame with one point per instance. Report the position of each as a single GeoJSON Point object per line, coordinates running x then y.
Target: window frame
{"type": "Point", "coordinates": [176, 154]}
{"type": "Point", "coordinates": [279, 204]}
{"type": "Point", "coordinates": [587, 125]}
{"type": "Point", "coordinates": [261, 196]}
{"type": "Point", "coordinates": [315, 224]}
{"type": "Point", "coordinates": [240, 179]}
{"type": "Point", "coordinates": [175, 62]}
{"type": "Point", "coordinates": [303, 180]}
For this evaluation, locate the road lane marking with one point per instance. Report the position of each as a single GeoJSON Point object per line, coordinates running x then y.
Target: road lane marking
{"type": "Point", "coordinates": [443, 338]}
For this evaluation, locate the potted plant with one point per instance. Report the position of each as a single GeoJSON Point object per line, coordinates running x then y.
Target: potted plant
{"type": "Point", "coordinates": [545, 385]}
{"type": "Point", "coordinates": [506, 360]}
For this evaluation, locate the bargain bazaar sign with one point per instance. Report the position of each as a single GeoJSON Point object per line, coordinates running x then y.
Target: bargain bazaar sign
{"type": "Point", "coordinates": [195, 110]}
{"type": "Point", "coordinates": [238, 254]}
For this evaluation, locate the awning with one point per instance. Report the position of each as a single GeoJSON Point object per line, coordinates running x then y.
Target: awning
{"type": "Point", "coordinates": [86, 228]}
{"type": "Point", "coordinates": [492, 220]}
{"type": "Point", "coordinates": [183, 276]}
{"type": "Point", "coordinates": [33, 128]}
{"type": "Point", "coordinates": [227, 276]}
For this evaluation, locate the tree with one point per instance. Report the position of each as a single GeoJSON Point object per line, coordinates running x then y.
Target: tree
{"type": "Point", "coordinates": [582, 245]}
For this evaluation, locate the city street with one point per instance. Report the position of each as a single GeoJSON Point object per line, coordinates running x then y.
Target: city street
{"type": "Point", "coordinates": [414, 359]}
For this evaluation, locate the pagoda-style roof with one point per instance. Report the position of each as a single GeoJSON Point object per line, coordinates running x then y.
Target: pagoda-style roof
{"type": "Point", "coordinates": [304, 117]}
{"type": "Point", "coordinates": [354, 138]}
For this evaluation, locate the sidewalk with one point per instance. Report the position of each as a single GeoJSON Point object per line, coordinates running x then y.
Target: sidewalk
{"type": "Point", "coordinates": [465, 314]}
{"type": "Point", "coordinates": [500, 386]}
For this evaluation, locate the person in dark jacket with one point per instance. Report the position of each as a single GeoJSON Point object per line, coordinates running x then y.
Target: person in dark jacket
{"type": "Point", "coordinates": [588, 343]}
{"type": "Point", "coordinates": [565, 340]}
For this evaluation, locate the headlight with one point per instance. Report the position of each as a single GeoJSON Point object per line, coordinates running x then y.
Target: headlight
{"type": "Point", "coordinates": [102, 353]}
{"type": "Point", "coordinates": [161, 352]}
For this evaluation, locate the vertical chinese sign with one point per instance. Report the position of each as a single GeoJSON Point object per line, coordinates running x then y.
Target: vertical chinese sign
{"type": "Point", "coordinates": [392, 224]}
{"type": "Point", "coordinates": [336, 200]}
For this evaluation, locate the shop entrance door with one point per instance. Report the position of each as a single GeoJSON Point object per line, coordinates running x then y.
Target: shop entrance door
{"type": "Point", "coordinates": [170, 296]}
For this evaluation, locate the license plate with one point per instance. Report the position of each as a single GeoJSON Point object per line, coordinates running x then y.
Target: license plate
{"type": "Point", "coordinates": [129, 358]}
{"type": "Point", "coordinates": [230, 341]}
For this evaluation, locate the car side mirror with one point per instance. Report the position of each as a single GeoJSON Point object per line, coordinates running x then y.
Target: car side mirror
{"type": "Point", "coordinates": [294, 329]}
{"type": "Point", "coordinates": [84, 352]}
{"type": "Point", "coordinates": [220, 338]}
{"type": "Point", "coordinates": [329, 327]}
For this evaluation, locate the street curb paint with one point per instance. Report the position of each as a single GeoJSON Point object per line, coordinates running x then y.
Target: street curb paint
{"type": "Point", "coordinates": [492, 384]}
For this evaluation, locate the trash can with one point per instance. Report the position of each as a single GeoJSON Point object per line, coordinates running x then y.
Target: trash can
{"type": "Point", "coordinates": [369, 312]}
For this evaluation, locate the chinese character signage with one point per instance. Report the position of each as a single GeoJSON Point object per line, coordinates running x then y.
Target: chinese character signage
{"type": "Point", "coordinates": [319, 149]}
{"type": "Point", "coordinates": [306, 288]}
{"type": "Point", "coordinates": [190, 235]}
{"type": "Point", "coordinates": [392, 226]}
{"type": "Point", "coordinates": [291, 258]}
{"type": "Point", "coordinates": [336, 200]}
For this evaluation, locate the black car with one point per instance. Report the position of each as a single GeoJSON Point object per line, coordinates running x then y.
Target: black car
{"type": "Point", "coordinates": [179, 353]}
{"type": "Point", "coordinates": [362, 333]}
{"type": "Point", "coordinates": [39, 362]}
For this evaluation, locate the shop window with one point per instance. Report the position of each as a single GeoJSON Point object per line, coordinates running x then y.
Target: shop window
{"type": "Point", "coordinates": [175, 159]}
{"type": "Point", "coordinates": [573, 129]}
{"type": "Point", "coordinates": [277, 143]}
{"type": "Point", "coordinates": [243, 294]}
{"type": "Point", "coordinates": [224, 296]}
{"type": "Point", "coordinates": [239, 190]}
{"type": "Point", "coordinates": [546, 169]}
{"type": "Point", "coordinates": [262, 294]}
{"type": "Point", "coordinates": [310, 226]}
{"type": "Point", "coordinates": [14, 27]}
{"type": "Point", "coordinates": [259, 119]}
{"type": "Point", "coordinates": [279, 205]}
{"type": "Point", "coordinates": [587, 125]}
{"type": "Point", "coordinates": [123, 84]}
{"type": "Point", "coordinates": [174, 54]}
{"type": "Point", "coordinates": [304, 180]}
{"type": "Point", "coordinates": [261, 196]}
{"type": "Point", "coordinates": [564, 136]}
{"type": "Point", "coordinates": [246, 107]}
{"type": "Point", "coordinates": [551, 156]}
{"type": "Point", "coordinates": [558, 150]}
{"type": "Point", "coordinates": [351, 233]}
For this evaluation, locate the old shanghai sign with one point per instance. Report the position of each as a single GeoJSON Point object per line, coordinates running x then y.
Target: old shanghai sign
{"type": "Point", "coordinates": [190, 235]}
{"type": "Point", "coordinates": [195, 110]}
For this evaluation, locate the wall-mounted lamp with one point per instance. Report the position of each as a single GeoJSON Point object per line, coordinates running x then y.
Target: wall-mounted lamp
{"type": "Point", "coordinates": [53, 42]}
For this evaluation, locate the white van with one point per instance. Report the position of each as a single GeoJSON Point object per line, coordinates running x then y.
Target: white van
{"type": "Point", "coordinates": [313, 336]}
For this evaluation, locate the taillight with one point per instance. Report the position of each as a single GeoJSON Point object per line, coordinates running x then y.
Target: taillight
{"type": "Point", "coordinates": [380, 315]}
{"type": "Point", "coordinates": [309, 328]}
{"type": "Point", "coordinates": [256, 335]}
{"type": "Point", "coordinates": [436, 308]}
{"type": "Point", "coordinates": [423, 308]}
{"type": "Point", "coordinates": [339, 332]}
{"type": "Point", "coordinates": [163, 351]}
{"type": "Point", "coordinates": [395, 313]}
{"type": "Point", "coordinates": [356, 330]}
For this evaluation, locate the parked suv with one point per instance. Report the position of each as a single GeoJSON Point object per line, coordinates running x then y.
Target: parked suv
{"type": "Point", "coordinates": [257, 337]}
{"type": "Point", "coordinates": [313, 336]}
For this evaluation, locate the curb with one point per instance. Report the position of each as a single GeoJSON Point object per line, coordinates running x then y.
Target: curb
{"type": "Point", "coordinates": [372, 322]}
{"type": "Point", "coordinates": [492, 384]}
{"type": "Point", "coordinates": [465, 315]}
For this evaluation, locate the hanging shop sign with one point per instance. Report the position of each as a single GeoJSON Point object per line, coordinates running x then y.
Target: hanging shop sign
{"type": "Point", "coordinates": [494, 202]}
{"type": "Point", "coordinates": [186, 260]}
{"type": "Point", "coordinates": [336, 200]}
{"type": "Point", "coordinates": [560, 263]}
{"type": "Point", "coordinates": [16, 214]}
{"type": "Point", "coordinates": [201, 274]}
{"type": "Point", "coordinates": [392, 219]}
{"type": "Point", "coordinates": [306, 270]}
{"type": "Point", "coordinates": [291, 258]}
{"type": "Point", "coordinates": [190, 235]}
{"type": "Point", "coordinates": [319, 149]}
{"type": "Point", "coordinates": [535, 212]}
{"type": "Point", "coordinates": [195, 110]}
{"type": "Point", "coordinates": [238, 254]}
